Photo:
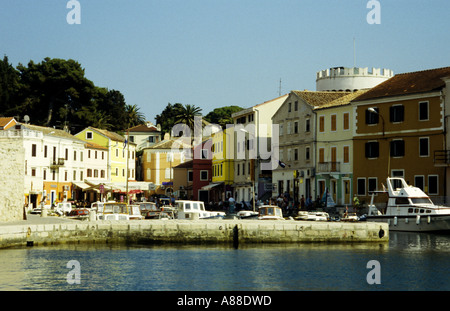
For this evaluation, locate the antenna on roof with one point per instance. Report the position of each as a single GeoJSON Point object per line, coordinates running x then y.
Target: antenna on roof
{"type": "Point", "coordinates": [279, 89]}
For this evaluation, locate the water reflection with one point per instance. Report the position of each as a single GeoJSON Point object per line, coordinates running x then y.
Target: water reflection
{"type": "Point", "coordinates": [409, 261]}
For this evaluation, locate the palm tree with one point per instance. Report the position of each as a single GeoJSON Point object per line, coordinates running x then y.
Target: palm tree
{"type": "Point", "coordinates": [135, 117]}
{"type": "Point", "coordinates": [186, 115]}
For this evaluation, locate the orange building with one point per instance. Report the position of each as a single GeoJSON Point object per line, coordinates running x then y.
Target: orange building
{"type": "Point", "coordinates": [399, 126]}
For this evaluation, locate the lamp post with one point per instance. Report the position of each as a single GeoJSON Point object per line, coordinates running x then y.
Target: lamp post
{"type": "Point", "coordinates": [372, 110]}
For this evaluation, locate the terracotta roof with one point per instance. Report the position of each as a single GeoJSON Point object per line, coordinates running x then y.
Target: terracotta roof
{"type": "Point", "coordinates": [108, 134]}
{"type": "Point", "coordinates": [51, 131]}
{"type": "Point", "coordinates": [168, 144]}
{"type": "Point", "coordinates": [344, 100]}
{"type": "Point", "coordinates": [94, 146]}
{"type": "Point", "coordinates": [319, 98]}
{"type": "Point", "coordinates": [409, 83]}
{"type": "Point", "coordinates": [143, 128]}
{"type": "Point", "coordinates": [4, 121]}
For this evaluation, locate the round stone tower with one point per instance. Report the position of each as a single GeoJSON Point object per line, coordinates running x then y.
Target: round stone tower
{"type": "Point", "coordinates": [351, 79]}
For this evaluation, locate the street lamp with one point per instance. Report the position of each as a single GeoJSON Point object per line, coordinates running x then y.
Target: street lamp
{"type": "Point", "coordinates": [372, 110]}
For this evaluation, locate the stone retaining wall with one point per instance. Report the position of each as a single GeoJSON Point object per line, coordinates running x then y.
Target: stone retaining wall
{"type": "Point", "coordinates": [202, 231]}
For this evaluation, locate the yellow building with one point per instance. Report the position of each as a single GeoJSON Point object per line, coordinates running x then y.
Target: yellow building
{"type": "Point", "coordinates": [223, 163]}
{"type": "Point", "coordinates": [159, 161]}
{"type": "Point", "coordinates": [120, 154]}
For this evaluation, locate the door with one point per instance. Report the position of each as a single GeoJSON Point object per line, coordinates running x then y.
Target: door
{"type": "Point", "coordinates": [346, 190]}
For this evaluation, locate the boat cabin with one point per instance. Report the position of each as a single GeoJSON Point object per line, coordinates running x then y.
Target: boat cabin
{"type": "Point", "coordinates": [270, 212]}
{"type": "Point", "coordinates": [194, 209]}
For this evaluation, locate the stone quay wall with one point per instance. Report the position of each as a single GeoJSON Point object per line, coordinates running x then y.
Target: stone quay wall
{"type": "Point", "coordinates": [12, 172]}
{"type": "Point", "coordinates": [192, 231]}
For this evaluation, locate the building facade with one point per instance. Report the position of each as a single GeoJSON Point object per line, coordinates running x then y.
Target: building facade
{"type": "Point", "coordinates": [399, 126]}
{"type": "Point", "coordinates": [297, 120]}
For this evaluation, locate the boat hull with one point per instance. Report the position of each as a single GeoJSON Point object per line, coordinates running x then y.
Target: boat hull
{"type": "Point", "coordinates": [415, 223]}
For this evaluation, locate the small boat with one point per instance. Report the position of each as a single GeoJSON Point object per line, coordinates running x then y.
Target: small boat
{"type": "Point", "coordinates": [270, 212]}
{"type": "Point", "coordinates": [194, 210]}
{"type": "Point", "coordinates": [312, 216]}
{"type": "Point", "coordinates": [408, 208]}
{"type": "Point", "coordinates": [135, 212]}
{"type": "Point", "coordinates": [246, 214]}
{"type": "Point", "coordinates": [113, 211]}
{"type": "Point", "coordinates": [350, 217]}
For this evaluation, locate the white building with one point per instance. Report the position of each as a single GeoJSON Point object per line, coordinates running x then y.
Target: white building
{"type": "Point", "coordinates": [351, 79]}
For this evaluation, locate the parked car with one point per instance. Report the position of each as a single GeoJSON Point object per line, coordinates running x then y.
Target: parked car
{"type": "Point", "coordinates": [63, 208]}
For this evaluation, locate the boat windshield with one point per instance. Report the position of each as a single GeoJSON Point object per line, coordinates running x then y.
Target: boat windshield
{"type": "Point", "coordinates": [421, 201]}
{"type": "Point", "coordinates": [115, 208]}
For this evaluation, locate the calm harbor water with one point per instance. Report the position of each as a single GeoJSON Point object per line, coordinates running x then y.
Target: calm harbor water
{"type": "Point", "coordinates": [409, 261]}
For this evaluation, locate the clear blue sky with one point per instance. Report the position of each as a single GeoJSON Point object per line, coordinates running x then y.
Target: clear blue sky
{"type": "Point", "coordinates": [215, 53]}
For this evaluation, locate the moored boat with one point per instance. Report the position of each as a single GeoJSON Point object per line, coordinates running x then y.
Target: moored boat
{"type": "Point", "coordinates": [312, 216]}
{"type": "Point", "coordinates": [270, 212]}
{"type": "Point", "coordinates": [194, 210]}
{"type": "Point", "coordinates": [113, 211]}
{"type": "Point", "coordinates": [408, 208]}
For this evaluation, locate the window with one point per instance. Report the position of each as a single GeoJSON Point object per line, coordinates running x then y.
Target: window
{"type": "Point", "coordinates": [372, 183]}
{"type": "Point", "coordinates": [307, 153]}
{"type": "Point", "coordinates": [296, 106]}
{"type": "Point", "coordinates": [295, 127]}
{"type": "Point", "coordinates": [243, 168]}
{"type": "Point", "coordinates": [89, 135]}
{"type": "Point", "coordinates": [361, 186]}
{"type": "Point", "coordinates": [190, 176]}
{"type": "Point", "coordinates": [89, 172]}
{"type": "Point", "coordinates": [74, 175]}
{"type": "Point", "coordinates": [295, 154]}
{"type": "Point", "coordinates": [44, 172]}
{"type": "Point", "coordinates": [346, 124]}
{"type": "Point", "coordinates": [424, 147]}
{"type": "Point", "coordinates": [372, 149]}
{"type": "Point", "coordinates": [433, 184]}
{"type": "Point", "coordinates": [307, 125]}
{"type": "Point", "coordinates": [321, 155]}
{"type": "Point", "coordinates": [397, 148]}
{"type": "Point", "coordinates": [281, 130]}
{"type": "Point", "coordinates": [45, 151]}
{"type": "Point", "coordinates": [66, 155]}
{"type": "Point", "coordinates": [321, 124]}
{"type": "Point", "coordinates": [203, 175]}
{"type": "Point", "coordinates": [396, 113]}
{"type": "Point", "coordinates": [372, 117]}
{"type": "Point", "coordinates": [346, 154]}
{"type": "Point", "coordinates": [333, 123]}
{"type": "Point", "coordinates": [74, 155]}
{"type": "Point", "coordinates": [33, 150]}
{"type": "Point", "coordinates": [423, 111]}
{"type": "Point", "coordinates": [289, 107]}
{"type": "Point", "coordinates": [419, 182]}
{"type": "Point", "coordinates": [33, 172]}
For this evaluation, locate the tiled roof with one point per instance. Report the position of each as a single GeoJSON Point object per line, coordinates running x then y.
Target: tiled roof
{"type": "Point", "coordinates": [4, 121]}
{"type": "Point", "coordinates": [143, 128]}
{"type": "Point", "coordinates": [108, 134]}
{"type": "Point", "coordinates": [319, 98]}
{"type": "Point", "coordinates": [344, 100]}
{"type": "Point", "coordinates": [51, 131]}
{"type": "Point", "coordinates": [409, 83]}
{"type": "Point", "coordinates": [168, 144]}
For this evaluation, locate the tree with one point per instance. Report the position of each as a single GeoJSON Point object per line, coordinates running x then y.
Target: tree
{"type": "Point", "coordinates": [186, 115]}
{"type": "Point", "coordinates": [222, 116]}
{"type": "Point", "coordinates": [167, 118]}
{"type": "Point", "coordinates": [135, 117]}
{"type": "Point", "coordinates": [9, 85]}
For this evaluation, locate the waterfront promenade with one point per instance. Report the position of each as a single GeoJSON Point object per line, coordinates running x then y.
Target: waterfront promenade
{"type": "Point", "coordinates": [50, 230]}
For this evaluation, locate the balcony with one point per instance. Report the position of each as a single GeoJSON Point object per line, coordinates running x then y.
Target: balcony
{"type": "Point", "coordinates": [441, 158]}
{"type": "Point", "coordinates": [329, 167]}
{"type": "Point", "coordinates": [55, 164]}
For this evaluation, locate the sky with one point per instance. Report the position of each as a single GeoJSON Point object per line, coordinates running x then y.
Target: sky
{"type": "Point", "coordinates": [216, 53]}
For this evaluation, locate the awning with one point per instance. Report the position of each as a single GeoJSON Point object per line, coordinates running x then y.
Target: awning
{"type": "Point", "coordinates": [81, 185]}
{"type": "Point", "coordinates": [210, 186]}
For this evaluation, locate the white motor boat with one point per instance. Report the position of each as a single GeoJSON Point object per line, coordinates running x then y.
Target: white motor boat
{"type": "Point", "coordinates": [312, 216]}
{"type": "Point", "coordinates": [195, 210]}
{"type": "Point", "coordinates": [270, 212]}
{"type": "Point", "coordinates": [408, 208]}
{"type": "Point", "coordinates": [113, 211]}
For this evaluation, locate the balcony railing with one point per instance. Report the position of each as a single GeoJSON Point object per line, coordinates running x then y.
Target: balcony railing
{"type": "Point", "coordinates": [441, 157]}
{"type": "Point", "coordinates": [329, 167]}
{"type": "Point", "coordinates": [57, 163]}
